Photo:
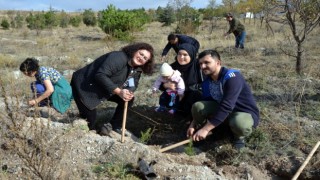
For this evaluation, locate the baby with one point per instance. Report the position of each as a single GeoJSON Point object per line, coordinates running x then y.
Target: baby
{"type": "Point", "coordinates": [168, 99]}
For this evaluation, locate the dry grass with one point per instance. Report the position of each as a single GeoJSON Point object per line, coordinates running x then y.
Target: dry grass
{"type": "Point", "coordinates": [289, 103]}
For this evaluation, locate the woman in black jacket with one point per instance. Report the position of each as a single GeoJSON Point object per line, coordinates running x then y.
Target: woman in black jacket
{"type": "Point", "coordinates": [114, 77]}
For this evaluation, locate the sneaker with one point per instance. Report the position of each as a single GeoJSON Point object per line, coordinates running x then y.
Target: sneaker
{"type": "Point", "coordinates": [119, 131]}
{"type": "Point", "coordinates": [172, 111]}
{"type": "Point", "coordinates": [160, 109]}
{"type": "Point", "coordinates": [239, 144]}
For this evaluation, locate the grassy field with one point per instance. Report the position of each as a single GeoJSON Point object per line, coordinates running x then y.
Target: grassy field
{"type": "Point", "coordinates": [289, 104]}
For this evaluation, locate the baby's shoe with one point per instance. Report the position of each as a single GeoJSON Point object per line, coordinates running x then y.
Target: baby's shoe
{"type": "Point", "coordinates": [160, 109]}
{"type": "Point", "coordinates": [172, 111]}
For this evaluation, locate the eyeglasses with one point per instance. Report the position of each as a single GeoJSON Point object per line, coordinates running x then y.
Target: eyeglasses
{"type": "Point", "coordinates": [144, 57]}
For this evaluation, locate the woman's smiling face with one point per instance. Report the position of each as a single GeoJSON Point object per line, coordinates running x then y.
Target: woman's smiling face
{"type": "Point", "coordinates": [141, 57]}
{"type": "Point", "coordinates": [183, 57]}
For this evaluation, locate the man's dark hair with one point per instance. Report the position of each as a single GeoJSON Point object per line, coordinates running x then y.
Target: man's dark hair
{"type": "Point", "coordinates": [172, 36]}
{"type": "Point", "coordinates": [213, 53]}
{"type": "Point", "coordinates": [131, 49]}
{"type": "Point", "coordinates": [229, 14]}
{"type": "Point", "coordinates": [29, 65]}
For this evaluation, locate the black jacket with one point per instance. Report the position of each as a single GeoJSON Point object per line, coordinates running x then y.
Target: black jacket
{"type": "Point", "coordinates": [95, 82]}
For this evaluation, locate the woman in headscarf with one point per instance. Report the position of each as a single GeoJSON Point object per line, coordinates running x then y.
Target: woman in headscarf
{"type": "Point", "coordinates": [187, 64]}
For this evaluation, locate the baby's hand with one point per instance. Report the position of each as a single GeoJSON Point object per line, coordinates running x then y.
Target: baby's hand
{"type": "Point", "coordinates": [154, 92]}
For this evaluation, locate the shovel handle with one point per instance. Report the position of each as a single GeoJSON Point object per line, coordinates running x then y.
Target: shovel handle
{"type": "Point", "coordinates": [123, 130]}
{"type": "Point", "coordinates": [175, 145]}
{"type": "Point", "coordinates": [306, 161]}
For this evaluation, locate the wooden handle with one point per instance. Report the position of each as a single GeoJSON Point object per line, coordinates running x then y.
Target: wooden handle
{"type": "Point", "coordinates": [123, 130]}
{"type": "Point", "coordinates": [175, 145]}
{"type": "Point", "coordinates": [306, 161]}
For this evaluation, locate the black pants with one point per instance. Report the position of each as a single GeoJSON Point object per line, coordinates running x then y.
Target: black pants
{"type": "Point", "coordinates": [91, 115]}
{"type": "Point", "coordinates": [85, 113]}
{"type": "Point", "coordinates": [190, 97]}
{"type": "Point", "coordinates": [117, 117]}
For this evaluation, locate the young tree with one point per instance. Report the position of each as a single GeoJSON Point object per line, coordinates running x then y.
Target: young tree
{"type": "Point", "coordinates": [5, 24]}
{"type": "Point", "coordinates": [89, 18]}
{"type": "Point", "coordinates": [302, 16]}
{"type": "Point", "coordinates": [166, 15]}
{"type": "Point", "coordinates": [18, 20]}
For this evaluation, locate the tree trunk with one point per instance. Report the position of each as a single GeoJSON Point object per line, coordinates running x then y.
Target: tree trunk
{"type": "Point", "coordinates": [299, 58]}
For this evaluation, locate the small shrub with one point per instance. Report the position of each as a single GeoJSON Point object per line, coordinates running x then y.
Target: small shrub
{"type": "Point", "coordinates": [115, 171]}
{"type": "Point", "coordinates": [89, 18]}
{"type": "Point", "coordinates": [75, 21]}
{"type": "Point", "coordinates": [189, 150]}
{"type": "Point", "coordinates": [146, 136]}
{"type": "Point", "coordinates": [258, 138]}
{"type": "Point", "coordinates": [5, 24]}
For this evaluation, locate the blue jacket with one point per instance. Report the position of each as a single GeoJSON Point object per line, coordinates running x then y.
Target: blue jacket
{"type": "Point", "coordinates": [181, 40]}
{"type": "Point", "coordinates": [235, 96]}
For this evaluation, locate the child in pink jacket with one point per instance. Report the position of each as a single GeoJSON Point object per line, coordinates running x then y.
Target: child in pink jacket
{"type": "Point", "coordinates": [168, 99]}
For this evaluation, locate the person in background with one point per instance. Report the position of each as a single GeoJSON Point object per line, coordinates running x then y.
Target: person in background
{"type": "Point", "coordinates": [50, 87]}
{"type": "Point", "coordinates": [227, 98]}
{"type": "Point", "coordinates": [113, 76]}
{"type": "Point", "coordinates": [170, 98]}
{"type": "Point", "coordinates": [175, 40]}
{"type": "Point", "coordinates": [237, 29]}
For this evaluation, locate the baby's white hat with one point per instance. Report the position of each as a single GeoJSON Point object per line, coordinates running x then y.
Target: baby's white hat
{"type": "Point", "coordinates": [166, 70]}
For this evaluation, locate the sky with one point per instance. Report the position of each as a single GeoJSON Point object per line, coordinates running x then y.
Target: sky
{"type": "Point", "coordinates": [96, 5]}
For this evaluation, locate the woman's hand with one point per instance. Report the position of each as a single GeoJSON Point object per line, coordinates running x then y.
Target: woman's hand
{"type": "Point", "coordinates": [126, 95]}
{"type": "Point", "coordinates": [32, 102]}
{"type": "Point", "coordinates": [170, 85]}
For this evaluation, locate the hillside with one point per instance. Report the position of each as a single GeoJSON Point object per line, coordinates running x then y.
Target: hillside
{"type": "Point", "coordinates": [61, 147]}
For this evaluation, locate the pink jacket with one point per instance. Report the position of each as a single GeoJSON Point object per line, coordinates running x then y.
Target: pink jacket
{"type": "Point", "coordinates": [176, 77]}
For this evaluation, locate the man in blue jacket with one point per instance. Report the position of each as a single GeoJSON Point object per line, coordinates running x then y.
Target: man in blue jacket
{"type": "Point", "coordinates": [227, 98]}
{"type": "Point", "coordinates": [175, 40]}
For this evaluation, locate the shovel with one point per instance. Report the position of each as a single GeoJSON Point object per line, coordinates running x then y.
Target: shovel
{"type": "Point", "coordinates": [131, 87]}
{"type": "Point", "coordinates": [124, 121]}
{"type": "Point", "coordinates": [306, 161]}
{"type": "Point", "coordinates": [175, 145]}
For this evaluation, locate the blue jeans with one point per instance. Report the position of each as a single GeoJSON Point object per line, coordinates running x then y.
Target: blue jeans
{"type": "Point", "coordinates": [38, 89]}
{"type": "Point", "coordinates": [240, 40]}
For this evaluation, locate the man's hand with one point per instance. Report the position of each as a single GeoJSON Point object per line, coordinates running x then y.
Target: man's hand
{"type": "Point", "coordinates": [201, 134]}
{"type": "Point", "coordinates": [163, 58]}
{"type": "Point", "coordinates": [191, 129]}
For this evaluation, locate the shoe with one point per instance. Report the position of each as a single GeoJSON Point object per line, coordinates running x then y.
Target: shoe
{"type": "Point", "coordinates": [239, 144]}
{"type": "Point", "coordinates": [119, 131]}
{"type": "Point", "coordinates": [160, 109]}
{"type": "Point", "coordinates": [172, 111]}
{"type": "Point", "coordinates": [105, 129]}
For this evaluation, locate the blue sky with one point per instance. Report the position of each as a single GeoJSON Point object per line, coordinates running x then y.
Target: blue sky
{"type": "Point", "coordinates": [75, 5]}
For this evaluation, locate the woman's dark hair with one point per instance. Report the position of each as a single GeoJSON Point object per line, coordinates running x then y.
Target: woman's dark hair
{"type": "Point", "coordinates": [131, 49]}
{"type": "Point", "coordinates": [213, 53]}
{"type": "Point", "coordinates": [29, 65]}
